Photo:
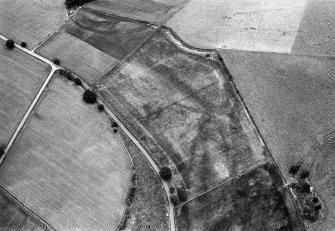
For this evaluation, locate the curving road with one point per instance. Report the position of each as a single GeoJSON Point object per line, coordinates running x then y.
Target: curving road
{"type": "Point", "coordinates": [110, 113]}
{"type": "Point", "coordinates": [150, 160]}
{"type": "Point", "coordinates": [28, 112]}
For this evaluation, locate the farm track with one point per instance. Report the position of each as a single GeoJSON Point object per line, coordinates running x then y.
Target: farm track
{"type": "Point", "coordinates": [27, 114]}
{"type": "Point", "coordinates": [123, 127]}
{"type": "Point", "coordinates": [109, 112]}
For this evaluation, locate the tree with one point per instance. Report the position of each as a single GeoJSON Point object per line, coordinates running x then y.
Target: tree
{"type": "Point", "coordinates": [56, 61]}
{"type": "Point", "coordinates": [23, 44]}
{"type": "Point", "coordinates": [71, 3]}
{"type": "Point", "coordinates": [101, 107]}
{"type": "Point", "coordinates": [174, 199]}
{"type": "Point", "coordinates": [305, 187]}
{"type": "Point", "coordinates": [182, 194]}
{"type": "Point", "coordinates": [2, 150]}
{"type": "Point", "coordinates": [90, 97]}
{"type": "Point", "coordinates": [77, 81]}
{"type": "Point", "coordinates": [165, 173]}
{"type": "Point", "coordinates": [315, 200]}
{"type": "Point", "coordinates": [304, 174]}
{"type": "Point", "coordinates": [294, 169]}
{"type": "Point", "coordinates": [10, 44]}
{"type": "Point", "coordinates": [114, 124]}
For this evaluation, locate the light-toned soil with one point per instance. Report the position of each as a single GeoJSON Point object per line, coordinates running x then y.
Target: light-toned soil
{"type": "Point", "coordinates": [184, 110]}
{"type": "Point", "coordinates": [146, 10]}
{"type": "Point", "coordinates": [31, 21]}
{"type": "Point", "coordinates": [316, 34]}
{"type": "Point", "coordinates": [259, 25]}
{"type": "Point", "coordinates": [67, 165]}
{"type": "Point", "coordinates": [290, 97]}
{"type": "Point", "coordinates": [21, 76]}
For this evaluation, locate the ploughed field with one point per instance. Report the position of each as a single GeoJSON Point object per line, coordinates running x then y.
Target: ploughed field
{"type": "Point", "coordinates": [67, 164]}
{"type": "Point", "coordinates": [21, 77]}
{"type": "Point", "coordinates": [14, 217]}
{"type": "Point", "coordinates": [91, 44]}
{"type": "Point", "coordinates": [185, 112]}
{"type": "Point", "coordinates": [154, 11]}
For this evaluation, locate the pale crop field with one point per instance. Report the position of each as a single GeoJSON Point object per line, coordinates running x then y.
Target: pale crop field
{"type": "Point", "coordinates": [21, 76]}
{"type": "Point", "coordinates": [77, 56]}
{"type": "Point", "coordinates": [31, 21]}
{"type": "Point", "coordinates": [67, 165]}
{"type": "Point", "coordinates": [290, 97]}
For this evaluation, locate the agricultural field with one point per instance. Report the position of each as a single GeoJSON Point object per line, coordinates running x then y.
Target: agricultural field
{"type": "Point", "coordinates": [149, 207]}
{"type": "Point", "coordinates": [321, 163]}
{"type": "Point", "coordinates": [91, 44]}
{"type": "Point", "coordinates": [67, 165]}
{"type": "Point", "coordinates": [255, 201]}
{"type": "Point", "coordinates": [154, 11]}
{"type": "Point", "coordinates": [316, 34]}
{"type": "Point", "coordinates": [31, 21]}
{"type": "Point", "coordinates": [186, 113]}
{"type": "Point", "coordinates": [14, 217]}
{"type": "Point", "coordinates": [257, 25]}
{"type": "Point", "coordinates": [290, 97]}
{"type": "Point", "coordinates": [21, 76]}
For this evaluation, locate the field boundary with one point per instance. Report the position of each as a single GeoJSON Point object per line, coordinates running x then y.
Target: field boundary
{"type": "Point", "coordinates": [27, 115]}
{"type": "Point", "coordinates": [225, 182]}
{"type": "Point", "coordinates": [317, 145]}
{"type": "Point", "coordinates": [135, 49]}
{"type": "Point", "coordinates": [52, 34]}
{"type": "Point", "coordinates": [27, 210]}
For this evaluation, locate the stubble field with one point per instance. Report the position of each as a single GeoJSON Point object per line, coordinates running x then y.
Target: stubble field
{"type": "Point", "coordinates": [67, 165]}
{"type": "Point", "coordinates": [31, 21]}
{"type": "Point", "coordinates": [21, 76]}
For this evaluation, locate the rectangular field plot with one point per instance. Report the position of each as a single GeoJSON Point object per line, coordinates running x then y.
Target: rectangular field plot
{"type": "Point", "coordinates": [14, 218]}
{"type": "Point", "coordinates": [91, 44]}
{"type": "Point", "coordinates": [183, 108]}
{"type": "Point", "coordinates": [78, 56]}
{"type": "Point", "coordinates": [67, 165]}
{"type": "Point", "coordinates": [147, 10]}
{"type": "Point", "coordinates": [31, 21]}
{"type": "Point", "coordinates": [291, 98]}
{"type": "Point", "coordinates": [254, 201]}
{"type": "Point", "coordinates": [21, 76]}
